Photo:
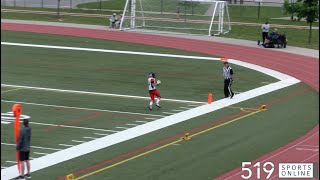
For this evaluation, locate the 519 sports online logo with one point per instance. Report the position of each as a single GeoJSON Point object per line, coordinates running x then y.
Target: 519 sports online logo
{"type": "Point", "coordinates": [269, 170]}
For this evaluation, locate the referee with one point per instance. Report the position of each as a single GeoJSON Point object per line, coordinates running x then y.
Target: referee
{"type": "Point", "coordinates": [228, 78]}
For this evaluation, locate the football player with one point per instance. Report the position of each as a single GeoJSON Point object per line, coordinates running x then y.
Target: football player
{"type": "Point", "coordinates": [152, 83]}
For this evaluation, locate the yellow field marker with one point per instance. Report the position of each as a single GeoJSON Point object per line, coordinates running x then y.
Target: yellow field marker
{"type": "Point", "coordinates": [10, 90]}
{"type": "Point", "coordinates": [167, 145]}
{"type": "Point", "coordinates": [70, 177]}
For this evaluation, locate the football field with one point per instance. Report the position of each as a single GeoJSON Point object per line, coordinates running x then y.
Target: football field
{"type": "Point", "coordinates": [85, 93]}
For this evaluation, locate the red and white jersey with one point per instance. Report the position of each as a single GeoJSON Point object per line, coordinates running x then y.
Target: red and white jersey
{"type": "Point", "coordinates": [151, 80]}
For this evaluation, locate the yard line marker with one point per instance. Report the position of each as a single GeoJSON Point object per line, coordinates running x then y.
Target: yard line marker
{"type": "Point", "coordinates": [78, 141]}
{"type": "Point", "coordinates": [76, 127]}
{"type": "Point", "coordinates": [237, 92]}
{"type": "Point", "coordinates": [142, 121]}
{"type": "Point", "coordinates": [89, 138]}
{"type": "Point", "coordinates": [314, 146]}
{"type": "Point", "coordinates": [306, 149]}
{"type": "Point", "coordinates": [236, 107]}
{"type": "Point", "coordinates": [90, 109]}
{"type": "Point", "coordinates": [68, 145]}
{"type": "Point", "coordinates": [95, 93]}
{"type": "Point", "coordinates": [101, 134]}
{"type": "Point", "coordinates": [40, 153]}
{"type": "Point", "coordinates": [122, 127]}
{"type": "Point", "coordinates": [5, 122]}
{"type": "Point", "coordinates": [111, 131]}
{"type": "Point", "coordinates": [168, 113]}
{"type": "Point", "coordinates": [178, 110]}
{"type": "Point", "coordinates": [132, 124]}
{"type": "Point", "coordinates": [14, 162]}
{"type": "Point", "coordinates": [151, 118]}
{"type": "Point", "coordinates": [185, 107]}
{"type": "Point", "coordinates": [10, 90]}
{"type": "Point", "coordinates": [193, 104]}
{"type": "Point", "coordinates": [36, 147]}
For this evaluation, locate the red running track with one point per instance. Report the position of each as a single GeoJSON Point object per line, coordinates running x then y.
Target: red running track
{"type": "Point", "coordinates": [304, 149]}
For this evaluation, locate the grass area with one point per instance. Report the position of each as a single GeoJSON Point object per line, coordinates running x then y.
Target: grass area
{"type": "Point", "coordinates": [111, 68]}
{"type": "Point", "coordinates": [225, 147]}
{"type": "Point", "coordinates": [110, 4]}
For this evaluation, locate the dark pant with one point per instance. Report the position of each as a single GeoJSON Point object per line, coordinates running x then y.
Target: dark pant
{"type": "Point", "coordinates": [264, 36]}
{"type": "Point", "coordinates": [24, 155]}
{"type": "Point", "coordinates": [227, 87]}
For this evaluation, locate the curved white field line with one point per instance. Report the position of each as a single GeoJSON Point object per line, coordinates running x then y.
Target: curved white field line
{"type": "Point", "coordinates": [94, 145]}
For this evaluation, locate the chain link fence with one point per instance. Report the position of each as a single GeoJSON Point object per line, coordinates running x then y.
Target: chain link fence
{"type": "Point", "coordinates": [260, 9]}
{"type": "Point", "coordinates": [72, 4]}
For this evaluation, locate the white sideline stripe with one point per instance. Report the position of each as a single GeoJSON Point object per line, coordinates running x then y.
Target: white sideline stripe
{"type": "Point", "coordinates": [103, 142]}
{"type": "Point", "coordinates": [101, 134]}
{"type": "Point", "coordinates": [76, 127]}
{"type": "Point", "coordinates": [94, 93]}
{"type": "Point", "coordinates": [178, 110]}
{"type": "Point", "coordinates": [90, 109]}
{"type": "Point", "coordinates": [90, 138]}
{"type": "Point", "coordinates": [68, 145]}
{"type": "Point", "coordinates": [142, 121]}
{"type": "Point", "coordinates": [78, 141]}
{"type": "Point", "coordinates": [41, 153]}
{"type": "Point", "coordinates": [108, 51]}
{"type": "Point", "coordinates": [12, 162]}
{"type": "Point", "coordinates": [36, 147]}
{"type": "Point", "coordinates": [168, 113]}
{"type": "Point", "coordinates": [132, 124]}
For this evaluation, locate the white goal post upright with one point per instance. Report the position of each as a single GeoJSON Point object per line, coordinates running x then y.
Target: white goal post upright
{"type": "Point", "coordinates": [220, 7]}
{"type": "Point", "coordinates": [131, 7]}
{"type": "Point", "coordinates": [190, 16]}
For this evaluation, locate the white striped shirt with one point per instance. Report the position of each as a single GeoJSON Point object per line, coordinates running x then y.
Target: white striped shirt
{"type": "Point", "coordinates": [227, 72]}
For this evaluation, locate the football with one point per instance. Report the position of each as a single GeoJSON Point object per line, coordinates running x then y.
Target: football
{"type": "Point", "coordinates": [158, 81]}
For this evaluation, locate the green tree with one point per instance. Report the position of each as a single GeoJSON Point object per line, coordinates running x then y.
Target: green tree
{"type": "Point", "coordinates": [308, 9]}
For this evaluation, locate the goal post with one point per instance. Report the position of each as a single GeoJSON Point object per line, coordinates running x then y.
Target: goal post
{"type": "Point", "coordinates": [187, 16]}
{"type": "Point", "coordinates": [221, 8]}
